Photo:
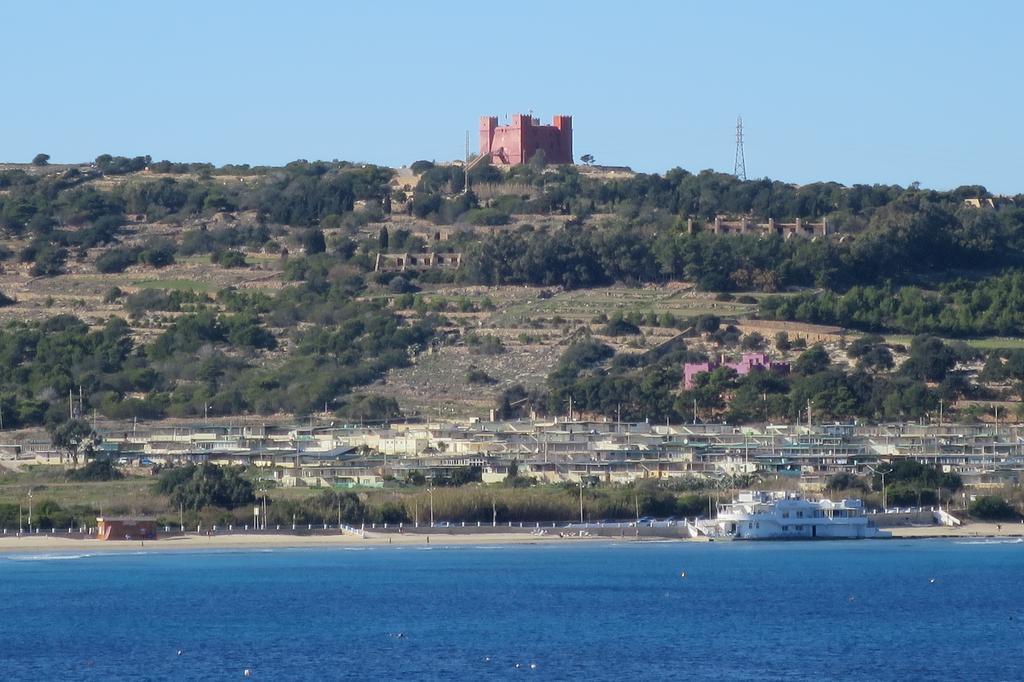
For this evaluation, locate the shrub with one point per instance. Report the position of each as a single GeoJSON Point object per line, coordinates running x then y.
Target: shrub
{"type": "Point", "coordinates": [400, 285]}
{"type": "Point", "coordinates": [116, 260]}
{"type": "Point", "coordinates": [752, 341]}
{"type": "Point", "coordinates": [484, 344]}
{"type": "Point", "coordinates": [313, 242]}
{"type": "Point", "coordinates": [158, 254]}
{"type": "Point", "coordinates": [49, 261]}
{"type": "Point", "coordinates": [421, 166]}
{"type": "Point", "coordinates": [229, 259]}
{"type": "Point", "coordinates": [993, 508]}
{"type": "Point", "coordinates": [479, 376]}
{"type": "Point", "coordinates": [96, 470]}
{"type": "Point", "coordinates": [205, 485]}
{"type": "Point", "coordinates": [487, 216]}
{"type": "Point", "coordinates": [847, 481]}
{"type": "Point", "coordinates": [620, 327]}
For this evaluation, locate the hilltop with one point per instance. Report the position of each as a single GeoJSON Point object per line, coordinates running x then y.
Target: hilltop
{"type": "Point", "coordinates": [171, 290]}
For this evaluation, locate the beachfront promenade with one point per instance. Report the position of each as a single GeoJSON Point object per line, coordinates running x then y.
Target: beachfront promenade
{"type": "Point", "coordinates": [437, 536]}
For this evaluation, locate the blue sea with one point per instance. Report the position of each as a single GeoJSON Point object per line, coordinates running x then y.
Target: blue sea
{"type": "Point", "coordinates": [869, 610]}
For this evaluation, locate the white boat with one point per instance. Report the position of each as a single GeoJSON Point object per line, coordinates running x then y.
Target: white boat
{"type": "Point", "coordinates": [760, 515]}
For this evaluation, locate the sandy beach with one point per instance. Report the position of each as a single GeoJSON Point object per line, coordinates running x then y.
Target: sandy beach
{"type": "Point", "coordinates": [1003, 530]}
{"type": "Point", "coordinates": [189, 543]}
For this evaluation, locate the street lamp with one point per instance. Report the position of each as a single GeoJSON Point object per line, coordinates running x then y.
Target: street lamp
{"type": "Point", "coordinates": [431, 491]}
{"type": "Point", "coordinates": [581, 499]}
{"type": "Point", "coordinates": [882, 473]}
{"type": "Point", "coordinates": [30, 511]}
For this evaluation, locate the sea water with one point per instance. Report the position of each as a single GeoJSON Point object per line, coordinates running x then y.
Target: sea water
{"type": "Point", "coordinates": [868, 610]}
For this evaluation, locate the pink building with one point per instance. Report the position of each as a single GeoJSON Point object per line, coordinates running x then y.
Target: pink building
{"type": "Point", "coordinates": [750, 362]}
{"type": "Point", "coordinates": [518, 141]}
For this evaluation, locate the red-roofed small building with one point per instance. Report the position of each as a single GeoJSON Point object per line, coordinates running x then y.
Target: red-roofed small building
{"type": "Point", "coordinates": [108, 528]}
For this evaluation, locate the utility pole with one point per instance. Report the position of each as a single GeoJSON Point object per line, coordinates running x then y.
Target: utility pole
{"type": "Point", "coordinates": [465, 167]}
{"type": "Point", "coordinates": [431, 489]}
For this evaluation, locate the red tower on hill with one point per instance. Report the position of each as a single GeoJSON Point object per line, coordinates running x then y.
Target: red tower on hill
{"type": "Point", "coordinates": [518, 142]}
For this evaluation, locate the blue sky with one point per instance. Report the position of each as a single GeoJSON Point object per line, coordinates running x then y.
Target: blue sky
{"type": "Point", "coordinates": [864, 92]}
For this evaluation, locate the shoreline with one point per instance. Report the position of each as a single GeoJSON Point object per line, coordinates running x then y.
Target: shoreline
{"type": "Point", "coordinates": [968, 530]}
{"type": "Point", "coordinates": [188, 543]}
{"type": "Point", "coordinates": [55, 543]}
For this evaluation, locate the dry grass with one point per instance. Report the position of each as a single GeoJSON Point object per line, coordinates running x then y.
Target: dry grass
{"type": "Point", "coordinates": [128, 496]}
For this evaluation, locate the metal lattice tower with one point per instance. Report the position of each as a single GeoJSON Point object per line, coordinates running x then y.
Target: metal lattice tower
{"type": "Point", "coordinates": [739, 168]}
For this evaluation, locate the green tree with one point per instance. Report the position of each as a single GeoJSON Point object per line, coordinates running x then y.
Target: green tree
{"type": "Point", "coordinates": [206, 485]}
{"type": "Point", "coordinates": [993, 508]}
{"type": "Point", "coordinates": [313, 242]}
{"type": "Point", "coordinates": [74, 438]}
{"type": "Point", "coordinates": [41, 160]}
{"type": "Point", "coordinates": [930, 359]}
{"type": "Point", "coordinates": [813, 360]}
{"type": "Point", "coordinates": [96, 470]}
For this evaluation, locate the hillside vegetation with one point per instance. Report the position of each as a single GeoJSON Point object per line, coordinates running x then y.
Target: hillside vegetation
{"type": "Point", "coordinates": [181, 289]}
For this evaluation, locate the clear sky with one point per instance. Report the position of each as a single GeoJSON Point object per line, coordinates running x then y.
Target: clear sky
{"type": "Point", "coordinates": [857, 92]}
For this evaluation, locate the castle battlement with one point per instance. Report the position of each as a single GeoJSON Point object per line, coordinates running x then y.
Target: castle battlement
{"type": "Point", "coordinates": [523, 137]}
